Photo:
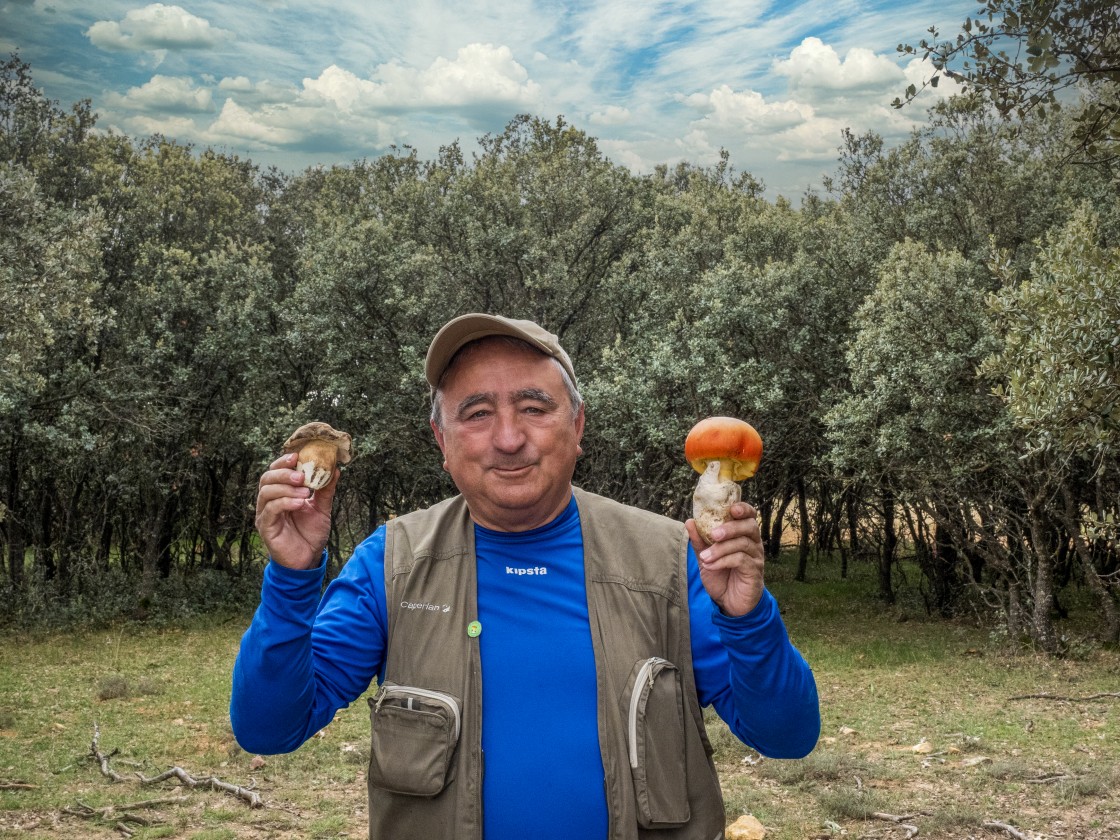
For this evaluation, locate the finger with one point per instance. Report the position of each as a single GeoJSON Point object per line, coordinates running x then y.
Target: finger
{"type": "Point", "coordinates": [733, 540]}
{"type": "Point", "coordinates": [281, 475]}
{"type": "Point", "coordinates": [284, 461]}
{"type": "Point", "coordinates": [288, 491]}
{"type": "Point", "coordinates": [743, 510]}
{"type": "Point", "coordinates": [734, 529]}
{"type": "Point", "coordinates": [698, 543]}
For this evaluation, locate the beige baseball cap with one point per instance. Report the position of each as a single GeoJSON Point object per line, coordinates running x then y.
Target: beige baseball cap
{"type": "Point", "coordinates": [466, 328]}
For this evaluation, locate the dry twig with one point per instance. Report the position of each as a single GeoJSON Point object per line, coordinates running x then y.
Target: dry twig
{"type": "Point", "coordinates": [122, 813]}
{"type": "Point", "coordinates": [187, 780]}
{"type": "Point", "coordinates": [102, 759]}
{"type": "Point", "coordinates": [1109, 694]}
{"type": "Point", "coordinates": [911, 830]}
{"type": "Point", "coordinates": [1049, 779]}
{"type": "Point", "coordinates": [1014, 832]}
{"type": "Point", "coordinates": [17, 786]}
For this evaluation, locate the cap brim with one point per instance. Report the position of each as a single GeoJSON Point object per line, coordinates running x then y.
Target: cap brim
{"type": "Point", "coordinates": [467, 328]}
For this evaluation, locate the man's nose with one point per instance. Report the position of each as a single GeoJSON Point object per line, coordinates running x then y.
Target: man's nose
{"type": "Point", "coordinates": [509, 436]}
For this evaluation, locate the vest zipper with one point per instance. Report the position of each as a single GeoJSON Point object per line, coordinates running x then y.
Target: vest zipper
{"type": "Point", "coordinates": [645, 674]}
{"type": "Point", "coordinates": [409, 693]}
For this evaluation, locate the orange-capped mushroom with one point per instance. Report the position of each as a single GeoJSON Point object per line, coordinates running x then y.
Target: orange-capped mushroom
{"type": "Point", "coordinates": [724, 450]}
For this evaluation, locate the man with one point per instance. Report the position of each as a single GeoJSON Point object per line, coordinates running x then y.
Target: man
{"type": "Point", "coordinates": [543, 653]}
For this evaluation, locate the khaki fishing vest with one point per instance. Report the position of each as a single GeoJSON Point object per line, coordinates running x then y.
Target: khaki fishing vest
{"type": "Point", "coordinates": [425, 777]}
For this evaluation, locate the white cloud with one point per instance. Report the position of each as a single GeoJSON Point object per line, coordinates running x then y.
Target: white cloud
{"type": "Point", "coordinates": [479, 73]}
{"type": "Point", "coordinates": [611, 115]}
{"type": "Point", "coordinates": [156, 28]}
{"type": "Point", "coordinates": [166, 94]}
{"type": "Point", "coordinates": [814, 69]}
{"type": "Point", "coordinates": [236, 84]}
{"type": "Point", "coordinates": [623, 153]}
{"type": "Point", "coordinates": [142, 125]}
{"type": "Point", "coordinates": [263, 91]}
{"type": "Point", "coordinates": [816, 140]}
{"type": "Point", "coordinates": [747, 110]}
{"type": "Point", "coordinates": [259, 130]}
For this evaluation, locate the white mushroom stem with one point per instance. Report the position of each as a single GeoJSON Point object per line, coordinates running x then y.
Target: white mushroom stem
{"type": "Point", "coordinates": [712, 500]}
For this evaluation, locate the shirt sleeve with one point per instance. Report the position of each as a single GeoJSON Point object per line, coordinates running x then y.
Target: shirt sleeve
{"type": "Point", "coordinates": [749, 671]}
{"type": "Point", "coordinates": [302, 659]}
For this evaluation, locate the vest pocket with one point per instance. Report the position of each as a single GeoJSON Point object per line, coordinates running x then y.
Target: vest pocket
{"type": "Point", "coordinates": [414, 735]}
{"type": "Point", "coordinates": [656, 738]}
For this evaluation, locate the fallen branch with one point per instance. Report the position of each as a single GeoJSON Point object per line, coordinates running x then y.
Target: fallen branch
{"type": "Point", "coordinates": [102, 759]}
{"type": "Point", "coordinates": [18, 786]}
{"type": "Point", "coordinates": [911, 830]}
{"type": "Point", "coordinates": [1050, 779]}
{"type": "Point", "coordinates": [1101, 696]}
{"type": "Point", "coordinates": [109, 810]}
{"type": "Point", "coordinates": [185, 778]}
{"type": "Point", "coordinates": [122, 814]}
{"type": "Point", "coordinates": [1014, 832]}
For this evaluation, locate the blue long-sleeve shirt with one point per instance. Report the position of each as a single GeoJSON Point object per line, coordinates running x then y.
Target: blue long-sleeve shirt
{"type": "Point", "coordinates": [302, 659]}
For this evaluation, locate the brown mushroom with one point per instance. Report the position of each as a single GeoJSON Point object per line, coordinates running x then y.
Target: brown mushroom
{"type": "Point", "coordinates": [320, 449]}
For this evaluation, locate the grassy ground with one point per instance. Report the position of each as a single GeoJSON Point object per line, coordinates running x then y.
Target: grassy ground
{"type": "Point", "coordinates": [922, 721]}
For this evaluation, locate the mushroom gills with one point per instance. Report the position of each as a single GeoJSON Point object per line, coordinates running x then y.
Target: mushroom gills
{"type": "Point", "coordinates": [317, 462]}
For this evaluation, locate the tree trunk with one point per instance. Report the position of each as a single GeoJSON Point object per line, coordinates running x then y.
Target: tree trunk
{"type": "Point", "coordinates": [157, 549]}
{"type": "Point", "coordinates": [1042, 625]}
{"type": "Point", "coordinates": [1110, 622]}
{"type": "Point", "coordinates": [774, 544]}
{"type": "Point", "coordinates": [853, 522]}
{"type": "Point", "coordinates": [1014, 611]}
{"type": "Point", "coordinates": [105, 540]}
{"type": "Point", "coordinates": [74, 531]}
{"type": "Point", "coordinates": [17, 548]}
{"type": "Point", "coordinates": [13, 518]}
{"type": "Point", "coordinates": [806, 528]}
{"type": "Point", "coordinates": [44, 545]}
{"type": "Point", "coordinates": [853, 530]}
{"type": "Point", "coordinates": [890, 548]}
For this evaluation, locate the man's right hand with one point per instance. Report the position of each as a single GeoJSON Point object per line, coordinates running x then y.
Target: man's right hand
{"type": "Point", "coordinates": [294, 524]}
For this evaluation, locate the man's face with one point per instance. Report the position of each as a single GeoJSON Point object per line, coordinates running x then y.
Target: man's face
{"type": "Point", "coordinates": [509, 439]}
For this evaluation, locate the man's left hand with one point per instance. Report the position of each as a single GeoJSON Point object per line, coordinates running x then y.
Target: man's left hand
{"type": "Point", "coordinates": [731, 568]}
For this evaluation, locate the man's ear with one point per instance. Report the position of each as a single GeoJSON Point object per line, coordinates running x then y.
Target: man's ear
{"type": "Point", "coordinates": [438, 432]}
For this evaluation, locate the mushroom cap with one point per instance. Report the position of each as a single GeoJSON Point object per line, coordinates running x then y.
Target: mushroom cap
{"type": "Point", "coordinates": [732, 442]}
{"type": "Point", "coordinates": [316, 431]}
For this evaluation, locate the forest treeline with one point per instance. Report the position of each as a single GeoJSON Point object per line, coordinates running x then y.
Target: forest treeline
{"type": "Point", "coordinates": [928, 343]}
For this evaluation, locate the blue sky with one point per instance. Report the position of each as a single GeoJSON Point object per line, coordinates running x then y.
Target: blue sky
{"type": "Point", "coordinates": [296, 84]}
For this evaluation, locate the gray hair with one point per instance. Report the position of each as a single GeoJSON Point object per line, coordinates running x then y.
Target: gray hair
{"type": "Point", "coordinates": [437, 394]}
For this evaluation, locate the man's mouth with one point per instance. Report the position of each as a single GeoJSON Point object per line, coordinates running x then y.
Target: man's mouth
{"type": "Point", "coordinates": [511, 469]}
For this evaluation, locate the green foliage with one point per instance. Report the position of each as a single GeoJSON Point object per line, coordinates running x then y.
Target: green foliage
{"type": "Point", "coordinates": [1061, 356]}
{"type": "Point", "coordinates": [172, 313]}
{"type": "Point", "coordinates": [918, 417]}
{"type": "Point", "coordinates": [1024, 56]}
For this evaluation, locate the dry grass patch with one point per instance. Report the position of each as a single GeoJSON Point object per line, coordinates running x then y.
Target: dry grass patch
{"type": "Point", "coordinates": [919, 721]}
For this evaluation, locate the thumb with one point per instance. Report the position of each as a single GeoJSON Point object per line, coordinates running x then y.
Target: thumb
{"type": "Point", "coordinates": [323, 498]}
